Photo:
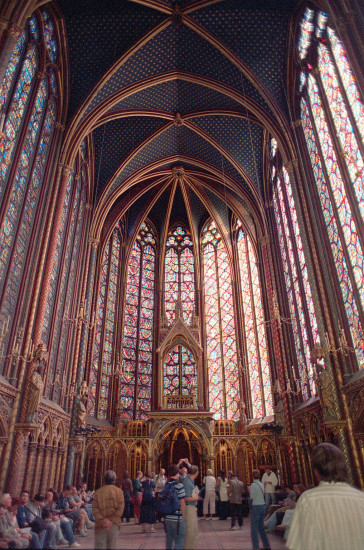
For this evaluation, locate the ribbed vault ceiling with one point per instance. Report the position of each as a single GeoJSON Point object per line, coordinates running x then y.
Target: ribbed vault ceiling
{"type": "Point", "coordinates": [175, 97]}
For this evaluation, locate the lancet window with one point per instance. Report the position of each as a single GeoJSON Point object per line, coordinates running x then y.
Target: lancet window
{"type": "Point", "coordinates": [28, 113]}
{"type": "Point", "coordinates": [179, 286]}
{"type": "Point", "coordinates": [302, 316]}
{"type": "Point", "coordinates": [103, 358]}
{"type": "Point", "coordinates": [258, 372]}
{"type": "Point", "coordinates": [331, 110]}
{"type": "Point", "coordinates": [223, 378]}
{"type": "Point", "coordinates": [61, 315]}
{"type": "Point", "coordinates": [137, 348]}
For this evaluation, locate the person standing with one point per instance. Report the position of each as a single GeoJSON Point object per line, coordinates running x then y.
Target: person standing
{"type": "Point", "coordinates": [235, 492]}
{"type": "Point", "coordinates": [221, 485]}
{"type": "Point", "coordinates": [137, 496]}
{"type": "Point", "coordinates": [108, 508]}
{"type": "Point", "coordinates": [127, 488]}
{"type": "Point", "coordinates": [160, 482]}
{"type": "Point", "coordinates": [258, 512]}
{"type": "Point", "coordinates": [210, 494]}
{"type": "Point", "coordinates": [191, 499]}
{"type": "Point", "coordinates": [330, 516]}
{"type": "Point", "coordinates": [174, 524]}
{"type": "Point", "coordinates": [147, 508]}
{"type": "Point", "coordinates": [270, 481]}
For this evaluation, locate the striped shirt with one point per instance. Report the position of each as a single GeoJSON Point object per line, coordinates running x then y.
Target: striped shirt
{"type": "Point", "coordinates": [181, 494]}
{"type": "Point", "coordinates": [329, 517]}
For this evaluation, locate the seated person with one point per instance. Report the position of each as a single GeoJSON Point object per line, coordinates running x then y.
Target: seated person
{"type": "Point", "coordinates": [64, 526]}
{"type": "Point", "coordinates": [77, 514]}
{"type": "Point", "coordinates": [47, 537]}
{"type": "Point", "coordinates": [10, 532]}
{"type": "Point", "coordinates": [23, 518]}
{"type": "Point", "coordinates": [288, 504]}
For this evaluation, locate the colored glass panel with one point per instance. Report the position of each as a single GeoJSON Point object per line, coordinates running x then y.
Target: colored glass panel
{"type": "Point", "coordinates": [307, 28]}
{"type": "Point", "coordinates": [224, 392]}
{"type": "Point", "coordinates": [344, 129]}
{"type": "Point", "coordinates": [49, 34]}
{"type": "Point", "coordinates": [137, 352]}
{"type": "Point", "coordinates": [15, 113]}
{"type": "Point", "coordinates": [348, 80]}
{"type": "Point", "coordinates": [253, 322]}
{"type": "Point", "coordinates": [336, 244]}
{"type": "Point", "coordinates": [179, 275]}
{"type": "Point", "coordinates": [343, 206]}
{"type": "Point", "coordinates": [180, 377]}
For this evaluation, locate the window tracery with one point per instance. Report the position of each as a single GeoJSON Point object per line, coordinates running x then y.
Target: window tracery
{"type": "Point", "coordinates": [332, 119]}
{"type": "Point", "coordinates": [179, 283]}
{"type": "Point", "coordinates": [254, 330]}
{"type": "Point", "coordinates": [299, 295]}
{"type": "Point", "coordinates": [223, 378]}
{"type": "Point", "coordinates": [24, 150]}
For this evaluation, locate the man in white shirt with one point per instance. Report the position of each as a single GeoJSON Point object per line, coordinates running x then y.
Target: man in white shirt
{"type": "Point", "coordinates": [330, 516]}
{"type": "Point", "coordinates": [270, 481]}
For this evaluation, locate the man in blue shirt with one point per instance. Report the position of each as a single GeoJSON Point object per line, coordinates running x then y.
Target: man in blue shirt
{"type": "Point", "coordinates": [174, 524]}
{"type": "Point", "coordinates": [258, 512]}
{"type": "Point", "coordinates": [191, 538]}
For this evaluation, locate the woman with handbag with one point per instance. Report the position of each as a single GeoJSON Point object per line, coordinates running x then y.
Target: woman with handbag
{"type": "Point", "coordinates": [210, 494]}
{"type": "Point", "coordinates": [221, 486]}
{"type": "Point", "coordinates": [147, 509]}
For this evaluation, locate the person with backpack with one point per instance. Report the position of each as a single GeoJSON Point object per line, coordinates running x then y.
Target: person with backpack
{"type": "Point", "coordinates": [172, 506]}
{"type": "Point", "coordinates": [147, 508]}
{"type": "Point", "coordinates": [192, 497]}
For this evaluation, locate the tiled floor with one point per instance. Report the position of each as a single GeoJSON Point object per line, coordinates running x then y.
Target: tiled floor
{"type": "Point", "coordinates": [213, 535]}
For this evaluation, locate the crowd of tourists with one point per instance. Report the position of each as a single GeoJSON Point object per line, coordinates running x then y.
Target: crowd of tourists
{"type": "Point", "coordinates": [46, 521]}
{"type": "Point", "coordinates": [52, 520]}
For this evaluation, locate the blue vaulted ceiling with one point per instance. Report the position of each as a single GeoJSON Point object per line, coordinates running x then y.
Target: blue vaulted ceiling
{"type": "Point", "coordinates": [184, 83]}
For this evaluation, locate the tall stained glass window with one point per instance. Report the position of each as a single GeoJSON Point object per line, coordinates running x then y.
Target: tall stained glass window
{"type": "Point", "coordinates": [224, 391]}
{"type": "Point", "coordinates": [180, 377]}
{"type": "Point", "coordinates": [137, 349]}
{"type": "Point", "coordinates": [179, 285]}
{"type": "Point", "coordinates": [302, 314]}
{"type": "Point", "coordinates": [62, 299]}
{"type": "Point", "coordinates": [332, 110]}
{"type": "Point", "coordinates": [28, 113]}
{"type": "Point", "coordinates": [254, 328]}
{"type": "Point", "coordinates": [105, 328]}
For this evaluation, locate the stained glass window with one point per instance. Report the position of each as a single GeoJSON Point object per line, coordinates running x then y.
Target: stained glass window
{"type": "Point", "coordinates": [224, 390]}
{"type": "Point", "coordinates": [253, 322]}
{"type": "Point", "coordinates": [302, 314]}
{"type": "Point", "coordinates": [179, 285]}
{"type": "Point", "coordinates": [105, 333]}
{"type": "Point", "coordinates": [23, 155]}
{"type": "Point", "coordinates": [334, 138]}
{"type": "Point", "coordinates": [137, 351]}
{"type": "Point", "coordinates": [180, 377]}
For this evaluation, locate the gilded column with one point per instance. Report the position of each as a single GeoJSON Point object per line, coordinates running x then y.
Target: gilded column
{"type": "Point", "coordinates": [16, 460]}
{"type": "Point", "coordinates": [37, 468]}
{"type": "Point", "coordinates": [46, 469]}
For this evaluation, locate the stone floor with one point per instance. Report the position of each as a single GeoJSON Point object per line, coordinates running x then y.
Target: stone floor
{"type": "Point", "coordinates": [213, 535]}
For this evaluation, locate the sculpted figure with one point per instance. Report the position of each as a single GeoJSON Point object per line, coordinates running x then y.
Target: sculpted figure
{"type": "Point", "coordinates": [35, 387]}
{"type": "Point", "coordinates": [82, 405]}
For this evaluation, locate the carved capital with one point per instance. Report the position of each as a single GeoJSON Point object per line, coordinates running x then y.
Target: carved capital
{"type": "Point", "coordinates": [15, 31]}
{"type": "Point", "coordinates": [94, 243]}
{"type": "Point", "coordinates": [88, 206]}
{"type": "Point", "coordinates": [59, 126]}
{"type": "Point", "coordinates": [264, 240]}
{"type": "Point", "coordinates": [291, 165]}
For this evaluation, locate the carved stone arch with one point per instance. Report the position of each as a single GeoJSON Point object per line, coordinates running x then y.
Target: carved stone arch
{"type": "Point", "coordinates": [356, 410]}
{"type": "Point", "coordinates": [46, 430]}
{"type": "Point", "coordinates": [117, 458]}
{"type": "Point", "coordinates": [246, 460]}
{"type": "Point", "coordinates": [190, 423]}
{"type": "Point", "coordinates": [95, 464]}
{"type": "Point", "coordinates": [60, 434]}
{"type": "Point", "coordinates": [180, 334]}
{"type": "Point", "coordinates": [224, 457]}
